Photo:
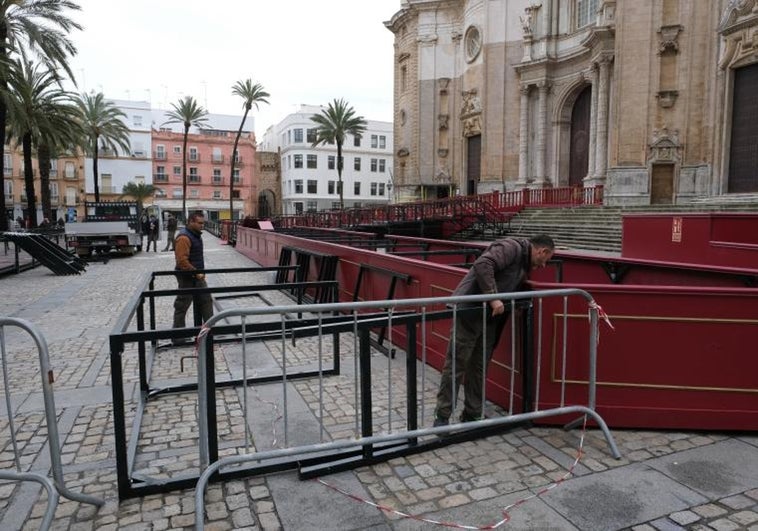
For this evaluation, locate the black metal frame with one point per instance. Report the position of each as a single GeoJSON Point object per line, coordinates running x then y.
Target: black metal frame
{"type": "Point", "coordinates": [134, 485]}
{"type": "Point", "coordinates": [129, 484]}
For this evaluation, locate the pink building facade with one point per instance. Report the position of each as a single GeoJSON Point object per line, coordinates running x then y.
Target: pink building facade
{"type": "Point", "coordinates": [208, 156]}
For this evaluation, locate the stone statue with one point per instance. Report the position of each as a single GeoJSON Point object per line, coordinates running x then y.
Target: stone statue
{"type": "Point", "coordinates": [526, 21]}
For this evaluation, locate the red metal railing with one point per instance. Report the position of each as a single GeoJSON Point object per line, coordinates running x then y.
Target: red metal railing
{"type": "Point", "coordinates": [494, 207]}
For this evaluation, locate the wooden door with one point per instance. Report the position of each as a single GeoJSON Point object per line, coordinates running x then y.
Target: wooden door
{"type": "Point", "coordinates": [743, 151]}
{"type": "Point", "coordinates": [473, 162]}
{"type": "Point", "coordinates": [580, 138]}
{"type": "Point", "coordinates": [662, 184]}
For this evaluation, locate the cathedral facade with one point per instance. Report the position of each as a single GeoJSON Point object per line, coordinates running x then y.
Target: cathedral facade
{"type": "Point", "coordinates": [655, 100]}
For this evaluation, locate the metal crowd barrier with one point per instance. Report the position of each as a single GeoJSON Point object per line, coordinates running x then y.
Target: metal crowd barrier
{"type": "Point", "coordinates": [56, 487]}
{"type": "Point", "coordinates": [364, 447]}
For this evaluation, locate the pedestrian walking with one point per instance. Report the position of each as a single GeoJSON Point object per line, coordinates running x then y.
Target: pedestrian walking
{"type": "Point", "coordinates": [170, 232]}
{"type": "Point", "coordinates": [188, 252]}
{"type": "Point", "coordinates": [153, 233]}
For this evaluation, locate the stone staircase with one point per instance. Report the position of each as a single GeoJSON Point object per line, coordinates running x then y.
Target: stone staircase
{"type": "Point", "coordinates": [599, 228]}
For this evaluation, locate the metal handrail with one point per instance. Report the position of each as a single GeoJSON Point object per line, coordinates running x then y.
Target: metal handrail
{"type": "Point", "coordinates": [205, 369]}
{"type": "Point", "coordinates": [57, 486]}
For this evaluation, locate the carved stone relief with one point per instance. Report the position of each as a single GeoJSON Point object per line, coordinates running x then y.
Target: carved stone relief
{"type": "Point", "coordinates": [471, 111]}
{"type": "Point", "coordinates": [443, 83]}
{"type": "Point", "coordinates": [471, 103]}
{"type": "Point", "coordinates": [472, 126]}
{"type": "Point", "coordinates": [665, 146]}
{"type": "Point", "coordinates": [739, 31]}
{"type": "Point", "coordinates": [667, 98]}
{"type": "Point", "coordinates": [668, 36]}
{"type": "Point", "coordinates": [443, 119]}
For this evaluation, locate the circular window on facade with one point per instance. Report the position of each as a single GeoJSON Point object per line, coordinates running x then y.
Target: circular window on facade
{"type": "Point", "coordinates": [473, 43]}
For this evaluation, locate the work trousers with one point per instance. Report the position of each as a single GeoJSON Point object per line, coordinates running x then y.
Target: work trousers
{"type": "Point", "coordinates": [182, 302]}
{"type": "Point", "coordinates": [170, 240]}
{"type": "Point", "coordinates": [470, 362]}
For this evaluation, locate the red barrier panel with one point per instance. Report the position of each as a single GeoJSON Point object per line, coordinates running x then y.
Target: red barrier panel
{"type": "Point", "coordinates": [680, 357]}
{"type": "Point", "coordinates": [720, 239]}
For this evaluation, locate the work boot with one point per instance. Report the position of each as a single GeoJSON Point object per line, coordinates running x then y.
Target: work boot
{"type": "Point", "coordinates": [440, 421]}
{"type": "Point", "coordinates": [465, 417]}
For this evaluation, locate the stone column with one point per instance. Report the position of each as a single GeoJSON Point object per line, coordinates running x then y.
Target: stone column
{"type": "Point", "coordinates": [601, 151]}
{"type": "Point", "coordinates": [523, 150]}
{"type": "Point", "coordinates": [593, 119]}
{"type": "Point", "coordinates": [540, 176]}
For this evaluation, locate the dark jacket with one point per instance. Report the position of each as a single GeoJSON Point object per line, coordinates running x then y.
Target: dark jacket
{"type": "Point", "coordinates": [501, 268]}
{"type": "Point", "coordinates": [171, 224]}
{"type": "Point", "coordinates": [188, 250]}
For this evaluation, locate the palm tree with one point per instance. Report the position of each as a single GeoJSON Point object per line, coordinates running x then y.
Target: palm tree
{"type": "Point", "coordinates": [252, 94]}
{"type": "Point", "coordinates": [139, 192]}
{"type": "Point", "coordinates": [188, 113]}
{"type": "Point", "coordinates": [103, 128]}
{"type": "Point", "coordinates": [40, 115]}
{"type": "Point", "coordinates": [334, 123]}
{"type": "Point", "coordinates": [42, 27]}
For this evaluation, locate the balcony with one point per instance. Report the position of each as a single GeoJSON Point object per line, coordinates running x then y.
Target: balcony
{"type": "Point", "coordinates": [160, 155]}
{"type": "Point", "coordinates": [217, 181]}
{"type": "Point", "coordinates": [239, 162]}
{"type": "Point", "coordinates": [195, 179]}
{"type": "Point", "coordinates": [53, 173]}
{"type": "Point", "coordinates": [107, 152]}
{"type": "Point", "coordinates": [54, 199]}
{"type": "Point", "coordinates": [22, 175]}
{"type": "Point", "coordinates": [109, 190]}
{"type": "Point", "coordinates": [160, 178]}
{"type": "Point", "coordinates": [217, 159]}
{"type": "Point", "coordinates": [8, 199]}
{"type": "Point", "coordinates": [193, 157]}
{"type": "Point", "coordinates": [71, 174]}
{"type": "Point", "coordinates": [72, 201]}
{"type": "Point", "coordinates": [8, 171]}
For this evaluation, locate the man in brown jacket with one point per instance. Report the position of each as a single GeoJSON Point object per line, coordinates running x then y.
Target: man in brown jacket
{"type": "Point", "coordinates": [501, 268]}
{"type": "Point", "coordinates": [188, 252]}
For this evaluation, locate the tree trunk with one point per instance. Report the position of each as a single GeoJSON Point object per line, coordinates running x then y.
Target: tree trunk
{"type": "Point", "coordinates": [94, 170]}
{"type": "Point", "coordinates": [43, 158]}
{"type": "Point", "coordinates": [31, 200]}
{"type": "Point", "coordinates": [234, 160]}
{"type": "Point", "coordinates": [3, 116]}
{"type": "Point", "coordinates": [184, 172]}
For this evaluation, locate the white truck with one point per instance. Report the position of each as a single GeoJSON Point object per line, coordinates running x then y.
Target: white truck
{"type": "Point", "coordinates": [108, 225]}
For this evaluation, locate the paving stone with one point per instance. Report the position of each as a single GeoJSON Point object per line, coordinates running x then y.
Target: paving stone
{"type": "Point", "coordinates": [684, 517]}
{"type": "Point", "coordinates": [664, 524]}
{"type": "Point", "coordinates": [737, 502]}
{"type": "Point", "coordinates": [723, 524]}
{"type": "Point", "coordinates": [744, 518]}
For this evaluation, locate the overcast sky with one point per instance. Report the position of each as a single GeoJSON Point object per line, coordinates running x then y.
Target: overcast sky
{"type": "Point", "coordinates": [301, 51]}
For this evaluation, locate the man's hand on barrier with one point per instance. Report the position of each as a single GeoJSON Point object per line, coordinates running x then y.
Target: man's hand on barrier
{"type": "Point", "coordinates": [497, 307]}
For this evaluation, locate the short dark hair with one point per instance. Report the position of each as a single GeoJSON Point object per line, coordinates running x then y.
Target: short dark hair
{"type": "Point", "coordinates": [194, 215]}
{"type": "Point", "coordinates": [542, 240]}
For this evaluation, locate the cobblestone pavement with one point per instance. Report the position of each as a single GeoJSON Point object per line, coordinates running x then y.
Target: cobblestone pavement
{"type": "Point", "coordinates": [666, 480]}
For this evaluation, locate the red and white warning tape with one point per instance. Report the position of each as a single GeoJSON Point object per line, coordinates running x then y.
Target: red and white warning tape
{"type": "Point", "coordinates": [506, 514]}
{"type": "Point", "coordinates": [601, 313]}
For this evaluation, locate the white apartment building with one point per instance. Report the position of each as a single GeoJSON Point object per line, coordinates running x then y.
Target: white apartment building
{"type": "Point", "coordinates": [117, 168]}
{"type": "Point", "coordinates": [309, 174]}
